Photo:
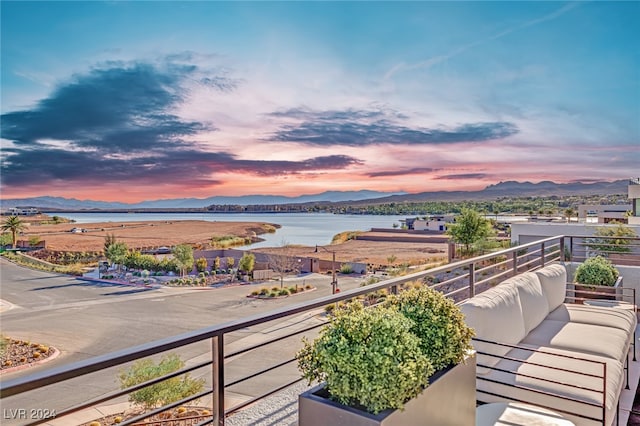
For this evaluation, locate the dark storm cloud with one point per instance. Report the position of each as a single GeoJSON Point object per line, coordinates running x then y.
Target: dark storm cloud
{"type": "Point", "coordinates": [123, 107]}
{"type": "Point", "coordinates": [362, 128]}
{"type": "Point", "coordinates": [413, 171]}
{"type": "Point", "coordinates": [271, 168]}
{"type": "Point", "coordinates": [182, 167]}
{"type": "Point", "coordinates": [114, 124]}
{"type": "Point", "coordinates": [463, 176]}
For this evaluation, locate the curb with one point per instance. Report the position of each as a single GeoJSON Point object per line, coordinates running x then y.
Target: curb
{"type": "Point", "coordinates": [51, 357]}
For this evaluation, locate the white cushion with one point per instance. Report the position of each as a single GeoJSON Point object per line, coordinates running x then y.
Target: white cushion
{"type": "Point", "coordinates": [532, 299]}
{"type": "Point", "coordinates": [566, 383]}
{"type": "Point", "coordinates": [513, 413]}
{"type": "Point", "coordinates": [622, 319]}
{"type": "Point", "coordinates": [495, 315]}
{"type": "Point", "coordinates": [583, 338]}
{"type": "Point", "coordinates": [553, 279]}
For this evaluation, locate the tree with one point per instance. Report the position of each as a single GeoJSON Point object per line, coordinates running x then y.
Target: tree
{"type": "Point", "coordinates": [183, 254]}
{"type": "Point", "coordinates": [247, 262]}
{"type": "Point", "coordinates": [568, 213]}
{"type": "Point", "coordinates": [614, 239]}
{"type": "Point", "coordinates": [469, 228]}
{"type": "Point", "coordinates": [108, 240]}
{"type": "Point", "coordinates": [283, 262]}
{"type": "Point", "coordinates": [15, 225]}
{"type": "Point", "coordinates": [117, 253]}
{"type": "Point", "coordinates": [201, 264]}
{"type": "Point", "coordinates": [216, 263]}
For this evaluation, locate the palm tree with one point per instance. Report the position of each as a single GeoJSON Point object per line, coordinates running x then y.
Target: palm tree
{"type": "Point", "coordinates": [15, 225]}
{"type": "Point", "coordinates": [568, 213]}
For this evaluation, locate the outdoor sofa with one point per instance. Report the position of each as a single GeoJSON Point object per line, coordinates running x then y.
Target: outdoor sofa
{"type": "Point", "coordinates": [535, 348]}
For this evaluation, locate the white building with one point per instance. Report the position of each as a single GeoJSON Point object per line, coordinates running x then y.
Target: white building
{"type": "Point", "coordinates": [433, 223]}
{"type": "Point", "coordinates": [604, 213]}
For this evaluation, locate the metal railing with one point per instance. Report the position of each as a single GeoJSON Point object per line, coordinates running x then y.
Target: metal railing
{"type": "Point", "coordinates": [459, 280]}
{"type": "Point", "coordinates": [619, 250]}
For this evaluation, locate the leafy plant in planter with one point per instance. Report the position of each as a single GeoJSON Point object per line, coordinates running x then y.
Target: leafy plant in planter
{"type": "Point", "coordinates": [368, 358]}
{"type": "Point", "coordinates": [444, 336]}
{"type": "Point", "coordinates": [596, 271]}
{"type": "Point", "coordinates": [381, 357]}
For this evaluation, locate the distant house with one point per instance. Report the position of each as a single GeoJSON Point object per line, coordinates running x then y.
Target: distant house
{"type": "Point", "coordinates": [22, 211]}
{"type": "Point", "coordinates": [433, 223]}
{"type": "Point", "coordinates": [604, 213]}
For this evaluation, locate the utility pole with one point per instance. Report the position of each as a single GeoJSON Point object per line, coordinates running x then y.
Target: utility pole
{"type": "Point", "coordinates": [334, 282]}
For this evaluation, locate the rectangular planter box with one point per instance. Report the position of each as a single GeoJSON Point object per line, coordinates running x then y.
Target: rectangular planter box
{"type": "Point", "coordinates": [449, 400]}
{"type": "Point", "coordinates": [607, 293]}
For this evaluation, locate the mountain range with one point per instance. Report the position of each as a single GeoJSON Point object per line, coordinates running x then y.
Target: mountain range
{"type": "Point", "coordinates": [501, 189]}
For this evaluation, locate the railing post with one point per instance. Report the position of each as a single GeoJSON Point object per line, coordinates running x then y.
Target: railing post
{"type": "Point", "coordinates": [217, 367]}
{"type": "Point", "coordinates": [570, 249]}
{"type": "Point", "coordinates": [541, 254]}
{"type": "Point", "coordinates": [472, 280]}
{"type": "Point", "coordinates": [514, 259]}
{"type": "Point", "coordinates": [562, 249]}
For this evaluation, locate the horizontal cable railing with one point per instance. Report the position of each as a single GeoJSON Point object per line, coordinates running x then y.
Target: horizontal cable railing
{"type": "Point", "coordinates": [619, 250]}
{"type": "Point", "coordinates": [458, 280]}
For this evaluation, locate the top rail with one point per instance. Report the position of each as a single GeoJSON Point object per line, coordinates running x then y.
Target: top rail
{"type": "Point", "coordinates": [80, 368]}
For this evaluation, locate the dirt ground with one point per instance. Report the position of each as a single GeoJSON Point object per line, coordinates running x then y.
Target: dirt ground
{"type": "Point", "coordinates": [141, 234]}
{"type": "Point", "coordinates": [148, 234]}
{"type": "Point", "coordinates": [372, 252]}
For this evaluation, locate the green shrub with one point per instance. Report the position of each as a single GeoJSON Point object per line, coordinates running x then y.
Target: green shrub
{"type": "Point", "coordinates": [596, 271]}
{"type": "Point", "coordinates": [264, 291]}
{"type": "Point", "coordinates": [293, 289]}
{"type": "Point", "coordinates": [444, 336]}
{"type": "Point", "coordinates": [308, 287]}
{"type": "Point", "coordinates": [345, 268]}
{"type": "Point", "coordinates": [163, 393]}
{"type": "Point", "coordinates": [283, 292]}
{"type": "Point", "coordinates": [273, 294]}
{"type": "Point", "coordinates": [367, 357]}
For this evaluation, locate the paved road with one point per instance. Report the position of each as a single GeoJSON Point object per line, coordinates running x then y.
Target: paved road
{"type": "Point", "coordinates": [84, 319]}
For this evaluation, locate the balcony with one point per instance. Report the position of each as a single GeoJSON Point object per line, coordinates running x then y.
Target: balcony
{"type": "Point", "coordinates": [245, 382]}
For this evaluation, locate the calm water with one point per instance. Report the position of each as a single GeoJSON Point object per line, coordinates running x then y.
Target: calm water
{"type": "Point", "coordinates": [297, 228]}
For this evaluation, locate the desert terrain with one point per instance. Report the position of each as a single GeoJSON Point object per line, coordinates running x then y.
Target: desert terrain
{"type": "Point", "coordinates": [154, 234]}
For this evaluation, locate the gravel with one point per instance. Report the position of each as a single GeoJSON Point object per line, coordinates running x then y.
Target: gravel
{"type": "Point", "coordinates": [275, 410]}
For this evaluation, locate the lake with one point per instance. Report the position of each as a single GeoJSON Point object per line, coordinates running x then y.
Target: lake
{"type": "Point", "coordinates": [297, 228]}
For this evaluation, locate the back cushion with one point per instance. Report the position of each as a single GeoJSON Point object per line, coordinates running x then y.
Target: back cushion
{"type": "Point", "coordinates": [495, 315]}
{"type": "Point", "coordinates": [553, 279]}
{"type": "Point", "coordinates": [532, 299]}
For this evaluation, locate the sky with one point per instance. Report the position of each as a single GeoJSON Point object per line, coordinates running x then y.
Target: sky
{"type": "Point", "coordinates": [143, 100]}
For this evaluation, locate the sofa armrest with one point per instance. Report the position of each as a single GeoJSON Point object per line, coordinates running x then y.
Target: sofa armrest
{"type": "Point", "coordinates": [540, 376]}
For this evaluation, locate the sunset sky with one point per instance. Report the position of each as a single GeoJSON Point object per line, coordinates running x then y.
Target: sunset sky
{"type": "Point", "coordinates": [132, 101]}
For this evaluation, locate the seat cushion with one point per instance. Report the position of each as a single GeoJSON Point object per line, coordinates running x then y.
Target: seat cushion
{"type": "Point", "coordinates": [553, 279]}
{"type": "Point", "coordinates": [622, 319]}
{"type": "Point", "coordinates": [495, 315]}
{"type": "Point", "coordinates": [532, 299]}
{"type": "Point", "coordinates": [583, 338]}
{"type": "Point", "coordinates": [532, 371]}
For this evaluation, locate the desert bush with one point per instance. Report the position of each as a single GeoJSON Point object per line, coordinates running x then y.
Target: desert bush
{"type": "Point", "coordinates": [345, 268]}
{"type": "Point", "coordinates": [163, 393]}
